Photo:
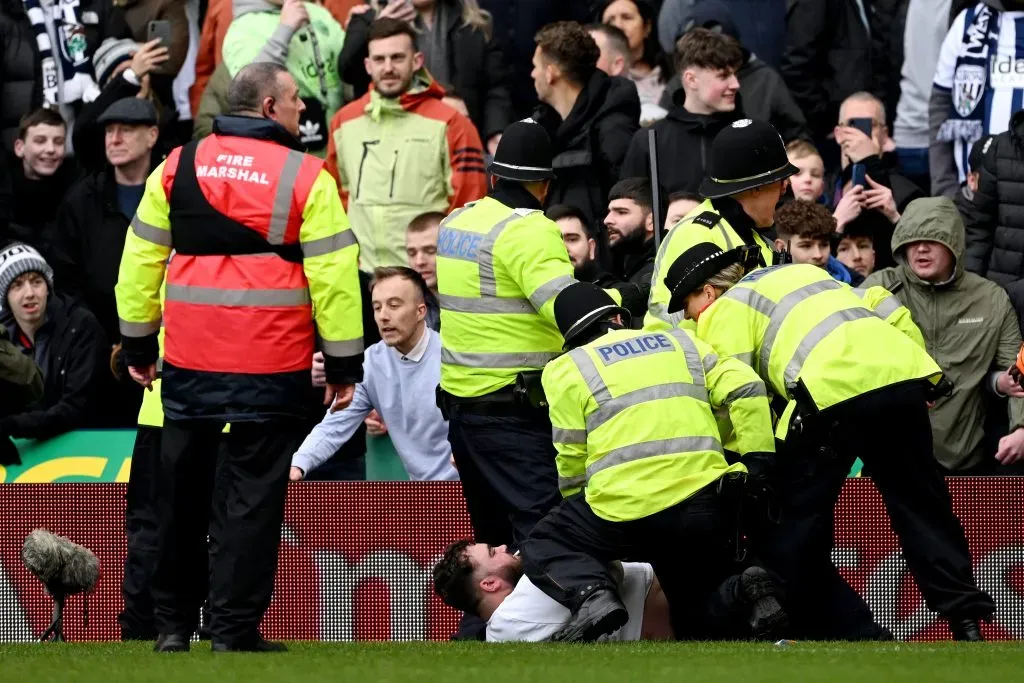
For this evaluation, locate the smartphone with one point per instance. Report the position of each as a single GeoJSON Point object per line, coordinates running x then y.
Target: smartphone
{"type": "Point", "coordinates": [159, 29]}
{"type": "Point", "coordinates": [863, 124]}
{"type": "Point", "coordinates": [860, 175]}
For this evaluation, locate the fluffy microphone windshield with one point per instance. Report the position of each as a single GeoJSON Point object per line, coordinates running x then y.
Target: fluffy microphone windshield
{"type": "Point", "coordinates": [64, 567]}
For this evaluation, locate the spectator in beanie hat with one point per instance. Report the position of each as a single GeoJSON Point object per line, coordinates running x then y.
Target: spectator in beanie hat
{"type": "Point", "coordinates": [63, 338]}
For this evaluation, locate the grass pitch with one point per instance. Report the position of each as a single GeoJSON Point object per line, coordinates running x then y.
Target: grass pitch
{"type": "Point", "coordinates": [480, 663]}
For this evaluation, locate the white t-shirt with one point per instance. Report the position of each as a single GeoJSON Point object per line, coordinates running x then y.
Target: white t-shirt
{"type": "Point", "coordinates": [529, 615]}
{"type": "Point", "coordinates": [1005, 77]}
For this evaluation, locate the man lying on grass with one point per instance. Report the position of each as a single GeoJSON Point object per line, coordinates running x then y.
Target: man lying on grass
{"type": "Point", "coordinates": [488, 581]}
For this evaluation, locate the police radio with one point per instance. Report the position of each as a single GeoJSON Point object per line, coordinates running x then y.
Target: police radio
{"type": "Point", "coordinates": [749, 257]}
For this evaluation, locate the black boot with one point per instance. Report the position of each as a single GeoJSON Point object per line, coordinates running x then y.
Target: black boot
{"type": "Point", "coordinates": [767, 618]}
{"type": "Point", "coordinates": [601, 613]}
{"type": "Point", "coordinates": [260, 644]}
{"type": "Point", "coordinates": [966, 629]}
{"type": "Point", "coordinates": [171, 642]}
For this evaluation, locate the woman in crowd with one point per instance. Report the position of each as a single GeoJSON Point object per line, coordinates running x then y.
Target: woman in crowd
{"type": "Point", "coordinates": [650, 69]}
{"type": "Point", "coordinates": [456, 39]}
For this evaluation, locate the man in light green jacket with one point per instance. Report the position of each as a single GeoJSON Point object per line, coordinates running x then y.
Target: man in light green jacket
{"type": "Point", "coordinates": [305, 38]}
{"type": "Point", "coordinates": [970, 329]}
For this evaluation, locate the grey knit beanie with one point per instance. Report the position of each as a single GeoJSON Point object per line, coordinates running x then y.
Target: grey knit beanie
{"type": "Point", "coordinates": [16, 259]}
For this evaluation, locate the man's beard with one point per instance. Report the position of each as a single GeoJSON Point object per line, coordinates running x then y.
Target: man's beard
{"type": "Point", "coordinates": [629, 242]}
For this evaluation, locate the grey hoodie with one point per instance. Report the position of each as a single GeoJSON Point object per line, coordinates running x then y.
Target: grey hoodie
{"type": "Point", "coordinates": [969, 327]}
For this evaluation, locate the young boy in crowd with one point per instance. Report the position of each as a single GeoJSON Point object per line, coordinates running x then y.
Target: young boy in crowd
{"type": "Point", "coordinates": [856, 250]}
{"type": "Point", "coordinates": [805, 230]}
{"type": "Point", "coordinates": [809, 184]}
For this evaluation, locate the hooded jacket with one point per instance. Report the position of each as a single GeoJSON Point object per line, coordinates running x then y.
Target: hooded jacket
{"type": "Point", "coordinates": [590, 144]}
{"type": "Point", "coordinates": [396, 158]}
{"type": "Point", "coordinates": [969, 327]}
{"type": "Point", "coordinates": [684, 143]}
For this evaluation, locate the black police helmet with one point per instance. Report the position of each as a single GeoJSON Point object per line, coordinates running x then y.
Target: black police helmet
{"type": "Point", "coordinates": [698, 263]}
{"type": "Point", "coordinates": [524, 153]}
{"type": "Point", "coordinates": [582, 304]}
{"type": "Point", "coordinates": [745, 155]}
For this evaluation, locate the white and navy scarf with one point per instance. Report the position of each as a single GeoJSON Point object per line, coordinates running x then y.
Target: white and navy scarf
{"type": "Point", "coordinates": [75, 65]}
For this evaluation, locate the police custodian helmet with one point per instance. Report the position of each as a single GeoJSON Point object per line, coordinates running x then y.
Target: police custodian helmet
{"type": "Point", "coordinates": [745, 155]}
{"type": "Point", "coordinates": [524, 153]}
{"type": "Point", "coordinates": [582, 304]}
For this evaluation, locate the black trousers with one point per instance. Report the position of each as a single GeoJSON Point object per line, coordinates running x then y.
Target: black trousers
{"type": "Point", "coordinates": [506, 465]}
{"type": "Point", "coordinates": [244, 522]}
{"type": "Point", "coordinates": [889, 430]}
{"type": "Point", "coordinates": [690, 545]}
{"type": "Point", "coordinates": [141, 521]}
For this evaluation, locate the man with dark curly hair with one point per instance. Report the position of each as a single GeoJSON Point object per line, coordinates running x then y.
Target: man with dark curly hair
{"type": "Point", "coordinates": [806, 230]}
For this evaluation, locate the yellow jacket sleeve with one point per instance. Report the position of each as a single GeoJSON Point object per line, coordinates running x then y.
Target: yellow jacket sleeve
{"type": "Point", "coordinates": [735, 388]}
{"type": "Point", "coordinates": [330, 259]}
{"type": "Point", "coordinates": [890, 309]}
{"type": "Point", "coordinates": [147, 247]}
{"type": "Point", "coordinates": [534, 253]}
{"type": "Point", "coordinates": [566, 404]}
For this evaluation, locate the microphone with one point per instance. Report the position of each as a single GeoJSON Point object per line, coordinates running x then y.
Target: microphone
{"type": "Point", "coordinates": [64, 568]}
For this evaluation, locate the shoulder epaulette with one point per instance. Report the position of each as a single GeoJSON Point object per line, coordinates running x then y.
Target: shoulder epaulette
{"type": "Point", "coordinates": [708, 219]}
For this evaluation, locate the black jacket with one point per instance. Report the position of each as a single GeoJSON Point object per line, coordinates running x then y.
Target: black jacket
{"type": "Point", "coordinates": [479, 74]}
{"type": "Point", "coordinates": [90, 233]}
{"type": "Point", "coordinates": [21, 91]}
{"type": "Point", "coordinates": [630, 274]}
{"type": "Point", "coordinates": [75, 369]}
{"type": "Point", "coordinates": [994, 219]}
{"type": "Point", "coordinates": [34, 211]}
{"type": "Point", "coordinates": [827, 58]}
{"type": "Point", "coordinates": [516, 22]}
{"type": "Point", "coordinates": [590, 145]}
{"type": "Point", "coordinates": [888, 24]}
{"type": "Point", "coordinates": [684, 144]}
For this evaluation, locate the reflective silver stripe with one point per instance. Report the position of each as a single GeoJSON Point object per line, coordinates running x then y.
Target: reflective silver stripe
{"type": "Point", "coordinates": [238, 297]}
{"type": "Point", "coordinates": [283, 199]}
{"type": "Point", "coordinates": [693, 360]}
{"type": "Point", "coordinates": [747, 358]}
{"type": "Point", "coordinates": [549, 289]}
{"type": "Point", "coordinates": [489, 361]}
{"type": "Point", "coordinates": [129, 329]}
{"type": "Point", "coordinates": [159, 366]}
{"type": "Point", "coordinates": [329, 244]}
{"type": "Point", "coordinates": [565, 483]}
{"type": "Point", "coordinates": [150, 233]}
{"type": "Point", "coordinates": [886, 307]}
{"type": "Point", "coordinates": [342, 349]}
{"type": "Point", "coordinates": [781, 310]}
{"type": "Point", "coordinates": [453, 215]}
{"type": "Point", "coordinates": [746, 295]}
{"type": "Point", "coordinates": [660, 311]}
{"type": "Point", "coordinates": [817, 334]}
{"type": "Point", "coordinates": [639, 451]}
{"type": "Point", "coordinates": [609, 409]}
{"type": "Point", "coordinates": [709, 361]}
{"type": "Point", "coordinates": [725, 234]}
{"type": "Point", "coordinates": [486, 304]}
{"type": "Point", "coordinates": [748, 390]}
{"type": "Point", "coordinates": [585, 364]}
{"type": "Point", "coordinates": [569, 436]}
{"type": "Point", "coordinates": [485, 256]}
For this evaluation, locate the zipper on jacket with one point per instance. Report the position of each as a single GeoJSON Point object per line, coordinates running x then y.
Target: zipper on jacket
{"type": "Point", "coordinates": [394, 172]}
{"type": "Point", "coordinates": [366, 153]}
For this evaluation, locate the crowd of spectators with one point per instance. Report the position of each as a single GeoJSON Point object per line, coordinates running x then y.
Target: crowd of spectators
{"type": "Point", "coordinates": [911, 167]}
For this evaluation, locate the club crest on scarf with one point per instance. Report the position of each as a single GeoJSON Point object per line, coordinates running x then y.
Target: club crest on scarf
{"type": "Point", "coordinates": [968, 88]}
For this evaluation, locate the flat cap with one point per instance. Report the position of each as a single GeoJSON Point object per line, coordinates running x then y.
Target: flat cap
{"type": "Point", "coordinates": [130, 110]}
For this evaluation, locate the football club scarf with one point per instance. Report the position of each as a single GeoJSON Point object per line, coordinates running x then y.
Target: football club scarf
{"type": "Point", "coordinates": [72, 53]}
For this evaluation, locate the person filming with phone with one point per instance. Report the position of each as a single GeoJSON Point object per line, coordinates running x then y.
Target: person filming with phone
{"type": "Point", "coordinates": [867, 189]}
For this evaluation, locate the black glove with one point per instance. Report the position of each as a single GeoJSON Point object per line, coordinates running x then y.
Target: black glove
{"type": "Point", "coordinates": [760, 467]}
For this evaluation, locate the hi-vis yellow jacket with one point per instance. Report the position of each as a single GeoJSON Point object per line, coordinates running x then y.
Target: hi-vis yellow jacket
{"type": "Point", "coordinates": [703, 224]}
{"type": "Point", "coordinates": [632, 420]}
{"type": "Point", "coordinates": [795, 324]}
{"type": "Point", "coordinates": [498, 271]}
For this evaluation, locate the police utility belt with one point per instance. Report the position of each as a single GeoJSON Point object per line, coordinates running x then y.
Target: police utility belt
{"type": "Point", "coordinates": [525, 396]}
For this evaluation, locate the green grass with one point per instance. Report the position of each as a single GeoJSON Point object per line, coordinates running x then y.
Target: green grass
{"type": "Point", "coordinates": [480, 663]}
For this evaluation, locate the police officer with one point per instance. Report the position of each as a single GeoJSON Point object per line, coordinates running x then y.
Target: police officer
{"type": "Point", "coordinates": [500, 263]}
{"type": "Point", "coordinates": [641, 463]}
{"type": "Point", "coordinates": [262, 251]}
{"type": "Point", "coordinates": [851, 385]}
{"type": "Point", "coordinates": [745, 179]}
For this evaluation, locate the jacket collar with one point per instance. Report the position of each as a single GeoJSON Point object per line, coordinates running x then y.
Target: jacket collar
{"type": "Point", "coordinates": [257, 129]}
{"type": "Point", "coordinates": [739, 220]}
{"type": "Point", "coordinates": [633, 261]}
{"type": "Point", "coordinates": [514, 195]}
